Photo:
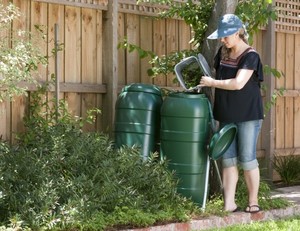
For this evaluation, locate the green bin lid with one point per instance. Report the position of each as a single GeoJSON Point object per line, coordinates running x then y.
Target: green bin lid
{"type": "Point", "coordinates": [142, 87]}
{"type": "Point", "coordinates": [221, 141]}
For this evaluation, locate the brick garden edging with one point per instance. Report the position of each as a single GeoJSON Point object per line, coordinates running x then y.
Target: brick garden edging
{"type": "Point", "coordinates": [232, 219]}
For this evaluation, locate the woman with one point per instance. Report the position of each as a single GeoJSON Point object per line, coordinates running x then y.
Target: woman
{"type": "Point", "coordinates": [238, 100]}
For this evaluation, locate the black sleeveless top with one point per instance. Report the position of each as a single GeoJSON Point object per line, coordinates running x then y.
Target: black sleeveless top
{"type": "Point", "coordinates": [239, 105]}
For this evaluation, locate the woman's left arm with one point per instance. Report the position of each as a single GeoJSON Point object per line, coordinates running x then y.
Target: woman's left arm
{"type": "Point", "coordinates": [236, 83]}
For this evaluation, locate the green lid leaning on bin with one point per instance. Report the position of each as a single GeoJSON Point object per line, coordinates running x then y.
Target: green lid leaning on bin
{"type": "Point", "coordinates": [221, 141]}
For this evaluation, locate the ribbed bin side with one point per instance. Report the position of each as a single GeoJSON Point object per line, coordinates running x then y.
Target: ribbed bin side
{"type": "Point", "coordinates": [137, 117]}
{"type": "Point", "coordinates": [184, 132]}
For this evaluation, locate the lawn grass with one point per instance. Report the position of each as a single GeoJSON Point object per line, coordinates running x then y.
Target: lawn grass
{"type": "Point", "coordinates": [288, 224]}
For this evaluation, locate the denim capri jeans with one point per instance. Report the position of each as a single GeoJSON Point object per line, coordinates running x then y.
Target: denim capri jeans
{"type": "Point", "coordinates": [242, 151]}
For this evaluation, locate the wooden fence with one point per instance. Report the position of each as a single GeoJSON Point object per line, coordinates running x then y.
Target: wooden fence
{"type": "Point", "coordinates": [92, 70]}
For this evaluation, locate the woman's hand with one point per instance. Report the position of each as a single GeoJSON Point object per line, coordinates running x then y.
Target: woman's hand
{"type": "Point", "coordinates": [206, 81]}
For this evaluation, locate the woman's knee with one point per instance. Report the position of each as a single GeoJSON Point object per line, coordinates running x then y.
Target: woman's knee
{"type": "Point", "coordinates": [249, 165]}
{"type": "Point", "coordinates": [229, 162]}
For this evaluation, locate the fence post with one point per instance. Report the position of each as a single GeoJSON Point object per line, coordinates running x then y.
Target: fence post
{"type": "Point", "coordinates": [268, 133]}
{"type": "Point", "coordinates": [110, 64]}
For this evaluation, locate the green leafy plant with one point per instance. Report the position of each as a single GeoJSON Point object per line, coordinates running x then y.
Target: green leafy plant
{"type": "Point", "coordinates": [256, 14]}
{"type": "Point", "coordinates": [278, 93]}
{"type": "Point", "coordinates": [265, 200]}
{"type": "Point", "coordinates": [196, 15]}
{"type": "Point", "coordinates": [215, 204]}
{"type": "Point", "coordinates": [288, 167]}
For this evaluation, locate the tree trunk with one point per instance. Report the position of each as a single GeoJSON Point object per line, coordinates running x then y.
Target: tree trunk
{"type": "Point", "coordinates": [210, 46]}
{"type": "Point", "coordinates": [209, 49]}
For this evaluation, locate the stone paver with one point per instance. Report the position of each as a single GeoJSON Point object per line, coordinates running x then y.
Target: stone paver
{"type": "Point", "coordinates": [292, 193]}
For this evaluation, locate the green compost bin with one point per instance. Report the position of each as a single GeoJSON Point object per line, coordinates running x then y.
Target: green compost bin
{"type": "Point", "coordinates": [185, 127]}
{"type": "Point", "coordinates": [137, 117]}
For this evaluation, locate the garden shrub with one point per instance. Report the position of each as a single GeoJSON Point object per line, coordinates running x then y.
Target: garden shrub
{"type": "Point", "coordinates": [288, 168]}
{"type": "Point", "coordinates": [58, 177]}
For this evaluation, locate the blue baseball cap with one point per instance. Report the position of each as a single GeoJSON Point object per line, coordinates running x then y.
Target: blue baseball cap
{"type": "Point", "coordinates": [228, 25]}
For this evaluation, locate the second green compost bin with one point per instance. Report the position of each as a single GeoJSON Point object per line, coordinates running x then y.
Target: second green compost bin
{"type": "Point", "coordinates": [185, 127]}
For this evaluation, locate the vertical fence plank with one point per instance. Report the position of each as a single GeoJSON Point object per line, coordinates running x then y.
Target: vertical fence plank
{"type": "Point", "coordinates": [280, 58]}
{"type": "Point", "coordinates": [18, 105]}
{"type": "Point", "coordinates": [121, 52]}
{"type": "Point", "coordinates": [172, 45]}
{"type": "Point", "coordinates": [39, 18]}
{"type": "Point", "coordinates": [258, 45]}
{"type": "Point", "coordinates": [4, 120]}
{"type": "Point", "coordinates": [258, 42]}
{"type": "Point", "coordinates": [110, 64]}
{"type": "Point", "coordinates": [279, 122]}
{"type": "Point", "coordinates": [184, 37]}
{"type": "Point", "coordinates": [89, 60]}
{"type": "Point", "coordinates": [56, 16]}
{"type": "Point", "coordinates": [289, 84]}
{"type": "Point", "coordinates": [159, 46]}
{"type": "Point", "coordinates": [297, 87]}
{"type": "Point", "coordinates": [146, 42]}
{"type": "Point", "coordinates": [5, 116]}
{"type": "Point", "coordinates": [73, 56]}
{"type": "Point", "coordinates": [132, 58]}
{"type": "Point", "coordinates": [99, 67]}
{"type": "Point", "coordinates": [279, 108]}
{"type": "Point", "coordinates": [89, 45]}
{"type": "Point", "coordinates": [24, 7]}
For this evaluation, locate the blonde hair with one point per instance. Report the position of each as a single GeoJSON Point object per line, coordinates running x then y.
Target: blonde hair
{"type": "Point", "coordinates": [226, 51]}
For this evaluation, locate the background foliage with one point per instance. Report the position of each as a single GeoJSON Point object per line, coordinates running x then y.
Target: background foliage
{"type": "Point", "coordinates": [255, 14]}
{"type": "Point", "coordinates": [19, 54]}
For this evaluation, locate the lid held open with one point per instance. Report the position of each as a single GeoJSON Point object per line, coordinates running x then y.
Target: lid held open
{"type": "Point", "coordinates": [221, 141]}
